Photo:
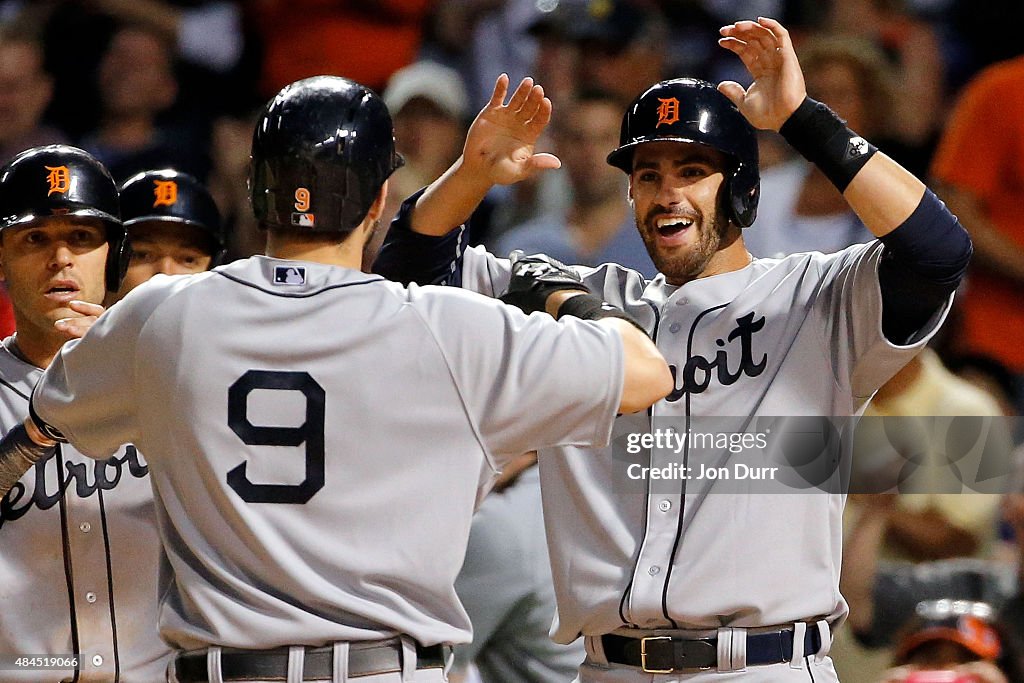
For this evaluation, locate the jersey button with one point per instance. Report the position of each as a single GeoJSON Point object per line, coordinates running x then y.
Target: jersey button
{"type": "Point", "coordinates": [674, 327]}
{"type": "Point", "coordinates": [85, 527]}
{"type": "Point", "coordinates": [90, 597]}
{"type": "Point", "coordinates": [97, 660]}
{"type": "Point", "coordinates": [665, 505]}
{"type": "Point", "coordinates": [653, 571]}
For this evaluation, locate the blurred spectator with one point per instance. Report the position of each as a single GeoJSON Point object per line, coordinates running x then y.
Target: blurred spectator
{"type": "Point", "coordinates": [1011, 614]}
{"type": "Point", "coordinates": [955, 637]}
{"type": "Point", "coordinates": [430, 107]}
{"type": "Point", "coordinates": [883, 597]}
{"type": "Point", "coordinates": [800, 209]}
{"type": "Point", "coordinates": [908, 435]}
{"type": "Point", "coordinates": [25, 92]}
{"type": "Point", "coordinates": [598, 226]}
{"type": "Point", "coordinates": [473, 36]}
{"type": "Point", "coordinates": [229, 153]}
{"type": "Point", "coordinates": [882, 594]}
{"type": "Point", "coordinates": [624, 44]}
{"type": "Point", "coordinates": [216, 67]}
{"type": "Point", "coordinates": [988, 374]}
{"type": "Point", "coordinates": [914, 52]}
{"type": "Point", "coordinates": [216, 63]}
{"type": "Point", "coordinates": [693, 34]}
{"type": "Point", "coordinates": [507, 590]}
{"type": "Point", "coordinates": [973, 21]}
{"type": "Point", "coordinates": [205, 33]}
{"type": "Point", "coordinates": [365, 40]}
{"type": "Point", "coordinates": [940, 522]}
{"type": "Point", "coordinates": [618, 46]}
{"type": "Point", "coordinates": [979, 169]}
{"type": "Point", "coordinates": [136, 84]}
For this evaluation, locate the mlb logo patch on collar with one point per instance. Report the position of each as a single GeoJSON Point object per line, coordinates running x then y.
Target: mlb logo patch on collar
{"type": "Point", "coordinates": [289, 275]}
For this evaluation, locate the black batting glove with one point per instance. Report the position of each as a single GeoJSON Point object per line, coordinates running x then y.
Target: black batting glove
{"type": "Point", "coordinates": [535, 278]}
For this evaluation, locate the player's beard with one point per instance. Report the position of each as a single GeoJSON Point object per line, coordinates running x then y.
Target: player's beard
{"type": "Point", "coordinates": [685, 262]}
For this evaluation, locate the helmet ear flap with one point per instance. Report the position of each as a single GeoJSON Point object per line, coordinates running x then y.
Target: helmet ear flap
{"type": "Point", "coordinates": [216, 259]}
{"type": "Point", "coordinates": [119, 253]}
{"type": "Point", "coordinates": [743, 190]}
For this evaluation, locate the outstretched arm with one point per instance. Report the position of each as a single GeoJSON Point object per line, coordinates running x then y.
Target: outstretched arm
{"type": "Point", "coordinates": [882, 193]}
{"type": "Point", "coordinates": [926, 248]}
{"type": "Point", "coordinates": [499, 150]}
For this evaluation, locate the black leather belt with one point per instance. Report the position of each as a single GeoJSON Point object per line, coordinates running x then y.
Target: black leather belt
{"type": "Point", "coordinates": [669, 654]}
{"type": "Point", "coordinates": [364, 659]}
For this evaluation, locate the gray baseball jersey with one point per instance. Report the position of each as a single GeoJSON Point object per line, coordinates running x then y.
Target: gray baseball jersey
{"type": "Point", "coordinates": [318, 438]}
{"type": "Point", "coordinates": [505, 585]}
{"type": "Point", "coordinates": [798, 336]}
{"type": "Point", "coordinates": [79, 557]}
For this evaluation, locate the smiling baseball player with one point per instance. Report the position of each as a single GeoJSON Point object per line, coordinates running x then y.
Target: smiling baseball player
{"type": "Point", "coordinates": [295, 549]}
{"type": "Point", "coordinates": [679, 584]}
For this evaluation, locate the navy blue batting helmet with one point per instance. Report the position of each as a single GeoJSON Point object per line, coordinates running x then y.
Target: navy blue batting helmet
{"type": "Point", "coordinates": [173, 197]}
{"type": "Point", "coordinates": [60, 180]}
{"type": "Point", "coordinates": [691, 110]}
{"type": "Point", "coordinates": [321, 151]}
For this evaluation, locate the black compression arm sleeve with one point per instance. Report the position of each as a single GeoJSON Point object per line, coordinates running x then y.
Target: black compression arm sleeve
{"type": "Point", "coordinates": [925, 260]}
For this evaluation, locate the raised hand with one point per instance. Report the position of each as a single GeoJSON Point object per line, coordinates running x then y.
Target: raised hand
{"type": "Point", "coordinates": [767, 52]}
{"type": "Point", "coordinates": [500, 143]}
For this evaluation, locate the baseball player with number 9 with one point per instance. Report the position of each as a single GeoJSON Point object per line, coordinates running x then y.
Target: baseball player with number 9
{"type": "Point", "coordinates": [318, 437]}
{"type": "Point", "coordinates": [682, 584]}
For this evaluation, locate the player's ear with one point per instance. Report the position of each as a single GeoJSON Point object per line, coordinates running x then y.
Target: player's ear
{"type": "Point", "coordinates": [377, 208]}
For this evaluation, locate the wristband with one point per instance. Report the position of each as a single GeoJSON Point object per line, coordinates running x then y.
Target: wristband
{"type": "Point", "coordinates": [822, 138]}
{"type": "Point", "coordinates": [593, 307]}
{"type": "Point", "coordinates": [44, 427]}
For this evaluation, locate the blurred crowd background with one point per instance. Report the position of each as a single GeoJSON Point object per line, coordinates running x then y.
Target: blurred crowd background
{"type": "Point", "coordinates": [936, 84]}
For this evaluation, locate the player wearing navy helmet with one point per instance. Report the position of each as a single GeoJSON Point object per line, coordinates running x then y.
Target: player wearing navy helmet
{"type": "Point", "coordinates": [669, 572]}
{"type": "Point", "coordinates": [291, 406]}
{"type": "Point", "coordinates": [173, 226]}
{"type": "Point", "coordinates": [79, 551]}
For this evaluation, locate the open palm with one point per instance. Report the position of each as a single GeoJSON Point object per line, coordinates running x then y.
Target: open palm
{"type": "Point", "coordinates": [766, 50]}
{"type": "Point", "coordinates": [500, 144]}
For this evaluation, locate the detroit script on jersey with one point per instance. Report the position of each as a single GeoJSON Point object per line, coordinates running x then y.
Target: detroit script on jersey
{"type": "Point", "coordinates": [79, 556]}
{"type": "Point", "coordinates": [699, 371]}
{"type": "Point", "coordinates": [53, 476]}
{"type": "Point", "coordinates": [791, 338]}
